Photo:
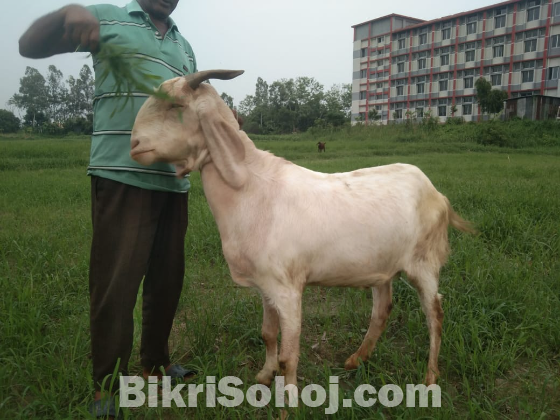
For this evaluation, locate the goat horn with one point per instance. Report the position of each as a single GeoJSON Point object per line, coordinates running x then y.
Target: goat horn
{"type": "Point", "coordinates": [195, 79]}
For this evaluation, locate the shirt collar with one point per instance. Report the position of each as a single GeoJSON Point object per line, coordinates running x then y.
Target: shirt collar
{"type": "Point", "coordinates": [134, 7]}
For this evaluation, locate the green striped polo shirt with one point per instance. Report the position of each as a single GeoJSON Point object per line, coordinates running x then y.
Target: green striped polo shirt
{"type": "Point", "coordinates": [165, 55]}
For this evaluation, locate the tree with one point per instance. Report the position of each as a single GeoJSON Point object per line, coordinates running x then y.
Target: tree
{"type": "Point", "coordinates": [261, 101]}
{"type": "Point", "coordinates": [227, 99]}
{"type": "Point", "coordinates": [86, 83]}
{"type": "Point", "coordinates": [9, 123]}
{"type": "Point", "coordinates": [32, 97]}
{"type": "Point", "coordinates": [491, 101]}
{"type": "Point", "coordinates": [247, 105]}
{"type": "Point", "coordinates": [57, 95]}
{"type": "Point", "coordinates": [373, 115]}
{"type": "Point", "coordinates": [291, 105]}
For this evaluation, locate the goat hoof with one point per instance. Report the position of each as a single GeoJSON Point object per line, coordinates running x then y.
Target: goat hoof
{"type": "Point", "coordinates": [431, 378]}
{"type": "Point", "coordinates": [264, 378]}
{"type": "Point", "coordinates": [351, 363]}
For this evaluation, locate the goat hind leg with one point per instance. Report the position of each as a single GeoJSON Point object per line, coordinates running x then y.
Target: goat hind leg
{"type": "Point", "coordinates": [430, 300]}
{"type": "Point", "coordinates": [270, 336]}
{"type": "Point", "coordinates": [382, 296]}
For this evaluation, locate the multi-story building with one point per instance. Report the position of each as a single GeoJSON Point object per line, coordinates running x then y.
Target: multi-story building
{"type": "Point", "coordinates": [404, 66]}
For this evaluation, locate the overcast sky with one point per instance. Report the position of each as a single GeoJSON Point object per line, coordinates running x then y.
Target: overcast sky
{"type": "Point", "coordinates": [269, 39]}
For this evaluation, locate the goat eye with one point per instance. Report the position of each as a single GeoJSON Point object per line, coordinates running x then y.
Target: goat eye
{"type": "Point", "coordinates": [176, 105]}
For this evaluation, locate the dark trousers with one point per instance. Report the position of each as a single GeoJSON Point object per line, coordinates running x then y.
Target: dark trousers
{"type": "Point", "coordinates": [137, 234]}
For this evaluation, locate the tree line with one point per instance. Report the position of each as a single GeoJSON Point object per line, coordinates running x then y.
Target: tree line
{"type": "Point", "coordinates": [52, 105]}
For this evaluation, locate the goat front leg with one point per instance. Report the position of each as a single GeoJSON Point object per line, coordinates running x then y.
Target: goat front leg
{"type": "Point", "coordinates": [288, 304]}
{"type": "Point", "coordinates": [270, 327]}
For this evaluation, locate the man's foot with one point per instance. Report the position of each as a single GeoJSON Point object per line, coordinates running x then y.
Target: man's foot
{"type": "Point", "coordinates": [176, 372]}
{"type": "Point", "coordinates": [104, 406]}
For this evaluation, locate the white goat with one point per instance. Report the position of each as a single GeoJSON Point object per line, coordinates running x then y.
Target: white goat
{"type": "Point", "coordinates": [284, 227]}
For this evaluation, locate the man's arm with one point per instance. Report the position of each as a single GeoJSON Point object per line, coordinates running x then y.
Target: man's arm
{"type": "Point", "coordinates": [60, 32]}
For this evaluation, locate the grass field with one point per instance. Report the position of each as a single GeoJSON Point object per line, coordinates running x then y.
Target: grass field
{"type": "Point", "coordinates": [500, 355]}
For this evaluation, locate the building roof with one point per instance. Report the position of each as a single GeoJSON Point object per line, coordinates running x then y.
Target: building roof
{"type": "Point", "coordinates": [422, 22]}
{"type": "Point", "coordinates": [389, 16]}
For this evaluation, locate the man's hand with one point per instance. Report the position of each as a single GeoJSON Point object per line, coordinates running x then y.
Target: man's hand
{"type": "Point", "coordinates": [60, 32]}
{"type": "Point", "coordinates": [81, 28]}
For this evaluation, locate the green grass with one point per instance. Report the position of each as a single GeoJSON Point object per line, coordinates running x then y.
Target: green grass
{"type": "Point", "coordinates": [500, 355]}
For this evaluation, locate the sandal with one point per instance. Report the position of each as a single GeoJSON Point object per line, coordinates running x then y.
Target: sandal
{"type": "Point", "coordinates": [104, 407]}
{"type": "Point", "coordinates": [177, 372]}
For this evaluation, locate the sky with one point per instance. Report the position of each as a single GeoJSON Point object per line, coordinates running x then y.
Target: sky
{"type": "Point", "coordinates": [269, 39]}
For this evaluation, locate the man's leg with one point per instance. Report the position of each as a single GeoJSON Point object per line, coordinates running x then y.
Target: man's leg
{"type": "Point", "coordinates": [124, 227]}
{"type": "Point", "coordinates": [163, 282]}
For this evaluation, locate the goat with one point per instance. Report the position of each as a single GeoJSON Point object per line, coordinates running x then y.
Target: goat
{"type": "Point", "coordinates": [284, 227]}
{"type": "Point", "coordinates": [321, 147]}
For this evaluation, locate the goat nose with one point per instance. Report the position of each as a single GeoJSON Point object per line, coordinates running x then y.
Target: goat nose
{"type": "Point", "coordinates": [133, 143]}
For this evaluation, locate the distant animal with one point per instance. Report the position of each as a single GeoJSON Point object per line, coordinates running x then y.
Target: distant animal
{"type": "Point", "coordinates": [284, 227]}
{"type": "Point", "coordinates": [239, 119]}
{"type": "Point", "coordinates": [321, 147]}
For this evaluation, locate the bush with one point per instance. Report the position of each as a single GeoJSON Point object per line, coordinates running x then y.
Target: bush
{"type": "Point", "coordinates": [9, 123]}
{"type": "Point", "coordinates": [79, 125]}
{"type": "Point", "coordinates": [455, 121]}
{"type": "Point", "coordinates": [489, 134]}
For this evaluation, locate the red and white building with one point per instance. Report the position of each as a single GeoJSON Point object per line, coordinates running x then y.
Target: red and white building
{"type": "Point", "coordinates": [404, 66]}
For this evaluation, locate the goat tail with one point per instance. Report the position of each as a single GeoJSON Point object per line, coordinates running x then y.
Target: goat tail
{"type": "Point", "coordinates": [458, 222]}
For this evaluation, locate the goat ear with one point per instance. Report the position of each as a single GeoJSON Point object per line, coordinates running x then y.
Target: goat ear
{"type": "Point", "coordinates": [225, 146]}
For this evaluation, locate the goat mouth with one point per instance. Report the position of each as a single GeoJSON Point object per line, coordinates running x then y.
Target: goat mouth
{"type": "Point", "coordinates": [134, 153]}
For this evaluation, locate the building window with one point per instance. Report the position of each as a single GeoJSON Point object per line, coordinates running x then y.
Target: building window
{"type": "Point", "coordinates": [471, 25]}
{"type": "Point", "coordinates": [363, 74]}
{"type": "Point", "coordinates": [444, 60]}
{"type": "Point", "coordinates": [380, 40]}
{"type": "Point", "coordinates": [469, 82]}
{"type": "Point", "coordinates": [400, 90]}
{"type": "Point", "coordinates": [363, 52]}
{"type": "Point", "coordinates": [467, 109]}
{"type": "Point", "coordinates": [500, 19]}
{"type": "Point", "coordinates": [398, 114]}
{"type": "Point", "coordinates": [363, 95]}
{"type": "Point", "coordinates": [469, 55]}
{"type": "Point", "coordinates": [553, 73]}
{"type": "Point", "coordinates": [533, 10]}
{"type": "Point", "coordinates": [421, 63]}
{"type": "Point", "coordinates": [556, 10]}
{"type": "Point", "coordinates": [527, 75]}
{"type": "Point", "coordinates": [423, 39]}
{"type": "Point", "coordinates": [443, 84]}
{"type": "Point", "coordinates": [419, 112]}
{"type": "Point", "coordinates": [498, 51]}
{"type": "Point", "coordinates": [442, 110]}
{"type": "Point", "coordinates": [496, 79]}
{"type": "Point", "coordinates": [420, 88]}
{"type": "Point", "coordinates": [499, 22]}
{"type": "Point", "coordinates": [446, 31]}
{"type": "Point", "coordinates": [531, 45]}
{"type": "Point", "coordinates": [555, 40]}
{"type": "Point", "coordinates": [401, 43]}
{"type": "Point", "coordinates": [379, 86]}
{"type": "Point", "coordinates": [400, 67]}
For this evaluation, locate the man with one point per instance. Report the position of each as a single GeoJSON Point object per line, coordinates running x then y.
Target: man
{"type": "Point", "coordinates": [139, 214]}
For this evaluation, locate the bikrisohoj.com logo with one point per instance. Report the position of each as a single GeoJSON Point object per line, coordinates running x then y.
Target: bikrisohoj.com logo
{"type": "Point", "coordinates": [227, 393]}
